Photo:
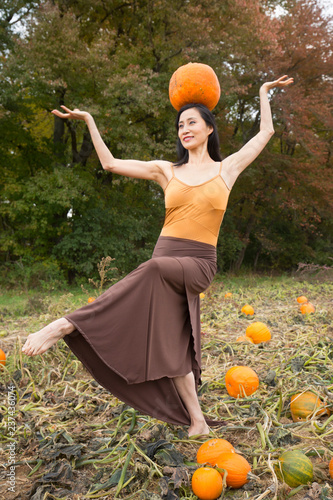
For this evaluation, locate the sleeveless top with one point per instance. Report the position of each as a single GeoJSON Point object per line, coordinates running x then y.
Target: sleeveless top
{"type": "Point", "coordinates": [195, 212]}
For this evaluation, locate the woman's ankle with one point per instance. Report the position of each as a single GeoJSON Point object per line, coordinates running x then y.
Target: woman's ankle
{"type": "Point", "coordinates": [65, 327]}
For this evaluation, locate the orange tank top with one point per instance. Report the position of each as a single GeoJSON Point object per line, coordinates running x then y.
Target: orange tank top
{"type": "Point", "coordinates": [195, 212]}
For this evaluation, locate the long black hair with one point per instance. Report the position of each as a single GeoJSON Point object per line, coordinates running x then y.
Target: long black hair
{"type": "Point", "coordinates": [213, 145]}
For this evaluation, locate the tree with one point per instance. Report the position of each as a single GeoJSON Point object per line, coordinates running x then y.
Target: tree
{"type": "Point", "coordinates": [115, 59]}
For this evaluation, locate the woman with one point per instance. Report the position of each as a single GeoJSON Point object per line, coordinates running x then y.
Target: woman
{"type": "Point", "coordinates": [141, 338]}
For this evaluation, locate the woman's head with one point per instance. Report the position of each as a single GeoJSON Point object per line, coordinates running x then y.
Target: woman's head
{"type": "Point", "coordinates": [213, 143]}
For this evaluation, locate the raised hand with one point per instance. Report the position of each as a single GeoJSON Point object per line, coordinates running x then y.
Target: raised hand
{"type": "Point", "coordinates": [76, 114]}
{"type": "Point", "coordinates": [281, 82]}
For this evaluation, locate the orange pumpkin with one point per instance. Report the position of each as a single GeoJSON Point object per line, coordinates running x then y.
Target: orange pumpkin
{"type": "Point", "coordinates": [248, 310]}
{"type": "Point", "coordinates": [90, 300]}
{"type": "Point", "coordinates": [330, 467]}
{"type": "Point", "coordinates": [228, 295]}
{"type": "Point", "coordinates": [194, 83]}
{"type": "Point", "coordinates": [306, 404]}
{"type": "Point", "coordinates": [207, 483]}
{"type": "Point", "coordinates": [245, 339]}
{"type": "Point", "coordinates": [258, 332]}
{"type": "Point", "coordinates": [2, 358]}
{"type": "Point", "coordinates": [202, 295]}
{"type": "Point", "coordinates": [241, 381]}
{"type": "Point", "coordinates": [301, 299]}
{"type": "Point", "coordinates": [212, 449]}
{"type": "Point", "coordinates": [237, 468]}
{"type": "Point", "coordinates": [307, 308]}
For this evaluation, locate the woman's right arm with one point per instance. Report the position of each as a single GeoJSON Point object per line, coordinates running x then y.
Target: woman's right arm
{"type": "Point", "coordinates": [155, 170]}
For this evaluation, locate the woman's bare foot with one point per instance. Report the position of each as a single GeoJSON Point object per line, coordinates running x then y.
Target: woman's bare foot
{"type": "Point", "coordinates": [41, 341]}
{"type": "Point", "coordinates": [198, 428]}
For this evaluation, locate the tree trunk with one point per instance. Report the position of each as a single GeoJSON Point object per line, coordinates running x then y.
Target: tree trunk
{"type": "Point", "coordinates": [87, 148]}
{"type": "Point", "coordinates": [246, 241]}
{"type": "Point", "coordinates": [256, 259]}
{"type": "Point", "coordinates": [59, 130]}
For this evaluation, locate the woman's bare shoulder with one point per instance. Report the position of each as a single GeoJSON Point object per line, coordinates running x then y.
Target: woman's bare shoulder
{"type": "Point", "coordinates": [165, 168]}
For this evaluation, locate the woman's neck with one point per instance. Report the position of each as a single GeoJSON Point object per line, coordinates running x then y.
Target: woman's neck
{"type": "Point", "coordinates": [199, 156]}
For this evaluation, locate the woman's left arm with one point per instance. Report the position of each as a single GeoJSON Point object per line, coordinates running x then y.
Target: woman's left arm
{"type": "Point", "coordinates": [234, 164]}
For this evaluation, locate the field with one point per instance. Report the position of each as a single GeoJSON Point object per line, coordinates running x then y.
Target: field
{"type": "Point", "coordinates": [71, 439]}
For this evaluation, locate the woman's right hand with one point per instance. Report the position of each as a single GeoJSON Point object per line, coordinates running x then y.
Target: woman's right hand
{"type": "Point", "coordinates": [76, 114]}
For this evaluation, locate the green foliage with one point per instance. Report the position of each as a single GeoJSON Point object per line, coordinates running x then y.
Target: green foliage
{"type": "Point", "coordinates": [28, 273]}
{"type": "Point", "coordinates": [101, 232]}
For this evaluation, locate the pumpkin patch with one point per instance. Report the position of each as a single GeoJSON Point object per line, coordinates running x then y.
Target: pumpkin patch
{"type": "Point", "coordinates": [259, 428]}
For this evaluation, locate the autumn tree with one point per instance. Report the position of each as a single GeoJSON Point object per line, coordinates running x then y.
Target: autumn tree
{"type": "Point", "coordinates": [115, 60]}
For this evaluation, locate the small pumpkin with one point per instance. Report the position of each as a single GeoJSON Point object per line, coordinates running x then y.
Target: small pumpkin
{"type": "Point", "coordinates": [237, 468]}
{"type": "Point", "coordinates": [2, 358]}
{"type": "Point", "coordinates": [305, 404]}
{"type": "Point", "coordinates": [210, 450]}
{"type": "Point", "coordinates": [307, 308]}
{"type": "Point", "coordinates": [301, 299]}
{"type": "Point", "coordinates": [90, 300]}
{"type": "Point", "coordinates": [202, 295]}
{"type": "Point", "coordinates": [244, 338]}
{"type": "Point", "coordinates": [258, 332]}
{"type": "Point", "coordinates": [207, 483]}
{"type": "Point", "coordinates": [241, 381]}
{"type": "Point", "coordinates": [194, 83]}
{"type": "Point", "coordinates": [248, 310]}
{"type": "Point", "coordinates": [330, 467]}
{"type": "Point", "coordinates": [228, 295]}
{"type": "Point", "coordinates": [294, 468]}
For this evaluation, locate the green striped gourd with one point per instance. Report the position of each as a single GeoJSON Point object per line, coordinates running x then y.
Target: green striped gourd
{"type": "Point", "coordinates": [294, 468]}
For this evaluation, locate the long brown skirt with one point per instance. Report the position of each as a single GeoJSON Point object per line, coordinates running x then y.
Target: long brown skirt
{"type": "Point", "coordinates": [145, 329]}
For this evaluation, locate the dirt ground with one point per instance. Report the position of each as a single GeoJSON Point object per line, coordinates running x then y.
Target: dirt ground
{"type": "Point", "coordinates": [69, 438]}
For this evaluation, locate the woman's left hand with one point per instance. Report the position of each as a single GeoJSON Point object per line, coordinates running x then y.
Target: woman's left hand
{"type": "Point", "coordinates": [282, 82]}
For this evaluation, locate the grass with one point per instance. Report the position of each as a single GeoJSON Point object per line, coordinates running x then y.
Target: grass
{"type": "Point", "coordinates": [74, 440]}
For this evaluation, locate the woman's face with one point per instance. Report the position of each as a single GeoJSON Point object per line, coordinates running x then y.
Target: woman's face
{"type": "Point", "coordinates": [192, 129]}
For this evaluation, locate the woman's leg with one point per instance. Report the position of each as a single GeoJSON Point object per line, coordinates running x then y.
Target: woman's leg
{"type": "Point", "coordinates": [41, 341]}
{"type": "Point", "coordinates": [186, 388]}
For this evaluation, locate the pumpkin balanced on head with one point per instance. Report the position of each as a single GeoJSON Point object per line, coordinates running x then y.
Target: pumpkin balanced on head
{"type": "Point", "coordinates": [194, 83]}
